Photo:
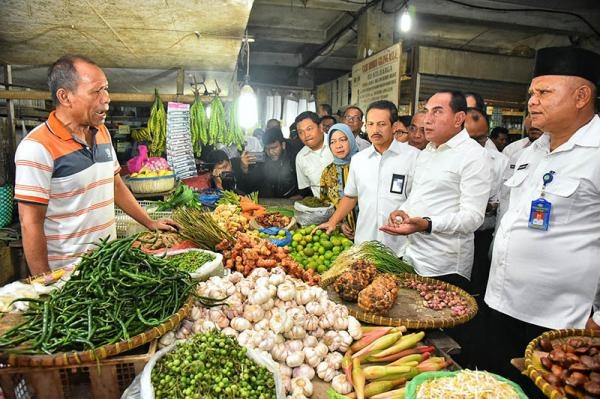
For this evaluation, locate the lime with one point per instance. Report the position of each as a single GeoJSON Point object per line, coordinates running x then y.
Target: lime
{"type": "Point", "coordinates": [321, 250]}
{"type": "Point", "coordinates": [335, 241]}
{"type": "Point", "coordinates": [328, 255]}
{"type": "Point", "coordinates": [319, 232]}
{"type": "Point", "coordinates": [281, 233]}
{"type": "Point", "coordinates": [300, 247]}
{"type": "Point", "coordinates": [302, 241]}
{"type": "Point", "coordinates": [326, 244]}
{"type": "Point", "coordinates": [297, 237]}
{"type": "Point", "coordinates": [322, 268]}
{"type": "Point", "coordinates": [336, 250]}
{"type": "Point", "coordinates": [308, 252]}
{"type": "Point", "coordinates": [312, 265]}
{"type": "Point", "coordinates": [293, 244]}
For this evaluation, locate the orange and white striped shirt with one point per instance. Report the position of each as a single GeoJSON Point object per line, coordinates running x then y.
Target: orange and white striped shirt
{"type": "Point", "coordinates": [76, 183]}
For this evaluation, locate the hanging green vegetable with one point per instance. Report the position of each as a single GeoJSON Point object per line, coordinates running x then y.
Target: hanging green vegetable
{"type": "Point", "coordinates": [217, 125]}
{"type": "Point", "coordinates": [157, 125]}
{"type": "Point", "coordinates": [235, 132]}
{"type": "Point", "coordinates": [198, 125]}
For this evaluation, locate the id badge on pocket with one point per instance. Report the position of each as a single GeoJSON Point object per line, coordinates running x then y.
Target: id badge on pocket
{"type": "Point", "coordinates": [539, 217]}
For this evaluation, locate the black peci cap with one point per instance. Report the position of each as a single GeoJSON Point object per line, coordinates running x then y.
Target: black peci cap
{"type": "Point", "coordinates": [569, 61]}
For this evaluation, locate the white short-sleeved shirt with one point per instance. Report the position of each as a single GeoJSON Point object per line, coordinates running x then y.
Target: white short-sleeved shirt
{"type": "Point", "coordinates": [516, 146]}
{"type": "Point", "coordinates": [499, 165]}
{"type": "Point", "coordinates": [452, 187]}
{"type": "Point", "coordinates": [490, 146]}
{"type": "Point", "coordinates": [382, 183]}
{"type": "Point", "coordinates": [549, 278]}
{"type": "Point", "coordinates": [310, 165]}
{"type": "Point", "coordinates": [362, 143]}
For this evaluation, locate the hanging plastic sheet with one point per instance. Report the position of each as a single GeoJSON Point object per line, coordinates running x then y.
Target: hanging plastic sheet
{"type": "Point", "coordinates": [268, 108]}
{"type": "Point", "coordinates": [290, 111]}
{"type": "Point", "coordinates": [276, 107]}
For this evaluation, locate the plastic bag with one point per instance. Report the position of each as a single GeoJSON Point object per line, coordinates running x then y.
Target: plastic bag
{"type": "Point", "coordinates": [261, 358]}
{"type": "Point", "coordinates": [280, 242]}
{"type": "Point", "coordinates": [207, 270]}
{"type": "Point", "coordinates": [135, 164]}
{"type": "Point", "coordinates": [305, 215]}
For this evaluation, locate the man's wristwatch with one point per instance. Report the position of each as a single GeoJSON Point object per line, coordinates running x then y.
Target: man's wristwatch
{"type": "Point", "coordinates": [428, 231]}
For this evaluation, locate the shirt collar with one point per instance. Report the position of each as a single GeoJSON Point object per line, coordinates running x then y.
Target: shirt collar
{"type": "Point", "coordinates": [395, 147]}
{"type": "Point", "coordinates": [454, 141]}
{"type": "Point", "coordinates": [317, 151]}
{"type": "Point", "coordinates": [57, 128]}
{"type": "Point", "coordinates": [585, 136]}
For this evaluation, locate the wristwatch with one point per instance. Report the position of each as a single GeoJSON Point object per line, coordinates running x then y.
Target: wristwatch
{"type": "Point", "coordinates": [428, 231]}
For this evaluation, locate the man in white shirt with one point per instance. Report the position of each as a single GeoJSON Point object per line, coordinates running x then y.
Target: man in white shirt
{"type": "Point", "coordinates": [416, 131]}
{"type": "Point", "coordinates": [533, 133]}
{"type": "Point", "coordinates": [379, 180]}
{"type": "Point", "coordinates": [449, 195]}
{"type": "Point", "coordinates": [476, 124]}
{"type": "Point", "coordinates": [314, 156]}
{"type": "Point", "coordinates": [544, 272]}
{"type": "Point", "coordinates": [353, 117]}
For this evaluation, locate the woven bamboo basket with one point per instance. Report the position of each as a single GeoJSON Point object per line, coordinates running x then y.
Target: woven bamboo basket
{"type": "Point", "coordinates": [76, 358]}
{"type": "Point", "coordinates": [254, 224]}
{"type": "Point", "coordinates": [148, 185]}
{"type": "Point", "coordinates": [409, 310]}
{"type": "Point", "coordinates": [533, 366]}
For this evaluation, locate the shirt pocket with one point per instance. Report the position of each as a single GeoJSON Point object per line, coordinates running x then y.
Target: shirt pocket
{"type": "Point", "coordinates": [562, 194]}
{"type": "Point", "coordinates": [516, 179]}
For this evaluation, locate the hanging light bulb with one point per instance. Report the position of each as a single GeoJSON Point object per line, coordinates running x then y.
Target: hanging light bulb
{"type": "Point", "coordinates": [405, 20]}
{"type": "Point", "coordinates": [247, 104]}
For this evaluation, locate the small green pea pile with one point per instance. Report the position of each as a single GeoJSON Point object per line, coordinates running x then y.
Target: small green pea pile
{"type": "Point", "coordinates": [211, 365]}
{"type": "Point", "coordinates": [190, 261]}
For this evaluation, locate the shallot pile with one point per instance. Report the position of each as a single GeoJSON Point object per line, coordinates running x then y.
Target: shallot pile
{"type": "Point", "coordinates": [437, 297]}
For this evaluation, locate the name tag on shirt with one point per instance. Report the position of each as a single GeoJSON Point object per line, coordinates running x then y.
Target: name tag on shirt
{"type": "Point", "coordinates": [397, 186]}
{"type": "Point", "coordinates": [523, 166]}
{"type": "Point", "coordinates": [539, 217]}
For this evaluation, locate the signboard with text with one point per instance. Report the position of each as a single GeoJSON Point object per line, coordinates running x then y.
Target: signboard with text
{"type": "Point", "coordinates": [377, 77]}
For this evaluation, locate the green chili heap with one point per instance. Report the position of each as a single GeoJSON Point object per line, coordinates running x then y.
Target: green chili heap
{"type": "Point", "coordinates": [116, 292]}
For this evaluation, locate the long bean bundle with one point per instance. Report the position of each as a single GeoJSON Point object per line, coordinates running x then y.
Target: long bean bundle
{"type": "Point", "coordinates": [116, 292]}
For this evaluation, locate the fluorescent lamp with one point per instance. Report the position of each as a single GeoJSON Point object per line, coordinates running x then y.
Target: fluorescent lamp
{"type": "Point", "coordinates": [405, 21]}
{"type": "Point", "coordinates": [247, 107]}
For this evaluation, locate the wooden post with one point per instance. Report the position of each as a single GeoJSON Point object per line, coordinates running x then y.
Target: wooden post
{"type": "Point", "coordinates": [8, 135]}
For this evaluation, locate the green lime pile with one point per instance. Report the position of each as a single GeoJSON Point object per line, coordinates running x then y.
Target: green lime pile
{"type": "Point", "coordinates": [280, 235]}
{"type": "Point", "coordinates": [317, 251]}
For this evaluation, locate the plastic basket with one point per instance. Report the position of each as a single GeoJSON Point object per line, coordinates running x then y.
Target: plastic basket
{"type": "Point", "coordinates": [149, 185]}
{"type": "Point", "coordinates": [6, 205]}
{"type": "Point", "coordinates": [127, 226]}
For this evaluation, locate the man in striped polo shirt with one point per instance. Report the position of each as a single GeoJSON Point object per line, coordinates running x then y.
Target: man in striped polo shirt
{"type": "Point", "coordinates": [67, 173]}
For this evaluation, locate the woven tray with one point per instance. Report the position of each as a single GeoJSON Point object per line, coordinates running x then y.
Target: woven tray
{"type": "Point", "coordinates": [76, 358]}
{"type": "Point", "coordinates": [409, 310]}
{"type": "Point", "coordinates": [533, 366]}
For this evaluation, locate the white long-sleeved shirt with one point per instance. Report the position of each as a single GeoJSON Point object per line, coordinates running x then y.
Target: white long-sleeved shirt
{"type": "Point", "coordinates": [498, 167]}
{"type": "Point", "coordinates": [452, 187]}
{"type": "Point", "coordinates": [516, 146]}
{"type": "Point", "coordinates": [382, 183]}
{"type": "Point", "coordinates": [310, 165]}
{"type": "Point", "coordinates": [550, 278]}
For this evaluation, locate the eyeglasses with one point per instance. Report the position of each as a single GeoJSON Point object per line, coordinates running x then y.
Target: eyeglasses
{"type": "Point", "coordinates": [400, 132]}
{"type": "Point", "coordinates": [413, 129]}
{"type": "Point", "coordinates": [351, 118]}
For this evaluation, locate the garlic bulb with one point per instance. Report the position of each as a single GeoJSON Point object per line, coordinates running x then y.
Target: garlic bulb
{"type": "Point", "coordinates": [296, 394]}
{"type": "Point", "coordinates": [196, 313]}
{"type": "Point", "coordinates": [166, 339]}
{"type": "Point", "coordinates": [276, 278]}
{"type": "Point", "coordinates": [294, 345]}
{"type": "Point", "coordinates": [279, 352]}
{"type": "Point", "coordinates": [303, 295]}
{"type": "Point", "coordinates": [240, 324]}
{"type": "Point", "coordinates": [285, 371]}
{"type": "Point", "coordinates": [322, 349]}
{"type": "Point", "coordinates": [287, 383]}
{"type": "Point", "coordinates": [297, 314]}
{"type": "Point", "coordinates": [229, 332]}
{"type": "Point", "coordinates": [341, 385]}
{"type": "Point", "coordinates": [286, 291]}
{"type": "Point", "coordinates": [296, 332]}
{"type": "Point", "coordinates": [354, 328]}
{"type": "Point", "coordinates": [268, 305]}
{"type": "Point", "coordinates": [331, 339]}
{"type": "Point", "coordinates": [314, 308]}
{"type": "Point", "coordinates": [279, 322]}
{"type": "Point", "coordinates": [318, 332]}
{"type": "Point", "coordinates": [311, 322]}
{"type": "Point", "coordinates": [244, 338]}
{"type": "Point", "coordinates": [266, 341]}
{"type": "Point", "coordinates": [295, 359]}
{"type": "Point", "coordinates": [304, 371]}
{"type": "Point", "coordinates": [340, 323]}
{"type": "Point", "coordinates": [258, 296]}
{"type": "Point", "coordinates": [325, 372]}
{"type": "Point", "coordinates": [219, 318]}
{"type": "Point", "coordinates": [312, 357]}
{"type": "Point", "coordinates": [309, 341]}
{"type": "Point", "coordinates": [262, 325]}
{"type": "Point", "coordinates": [334, 359]}
{"type": "Point", "coordinates": [235, 277]}
{"type": "Point", "coordinates": [303, 384]}
{"type": "Point", "coordinates": [262, 282]}
{"type": "Point", "coordinates": [345, 340]}
{"type": "Point", "coordinates": [253, 313]}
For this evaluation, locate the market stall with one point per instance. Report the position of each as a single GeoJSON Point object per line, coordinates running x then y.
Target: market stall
{"type": "Point", "coordinates": [321, 317]}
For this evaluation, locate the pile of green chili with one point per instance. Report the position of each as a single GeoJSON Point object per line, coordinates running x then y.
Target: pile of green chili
{"type": "Point", "coordinates": [116, 292]}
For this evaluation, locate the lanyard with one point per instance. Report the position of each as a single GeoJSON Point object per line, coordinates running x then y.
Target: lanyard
{"type": "Point", "coordinates": [546, 179]}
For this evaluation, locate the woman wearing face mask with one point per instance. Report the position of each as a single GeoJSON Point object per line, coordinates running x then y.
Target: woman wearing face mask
{"type": "Point", "coordinates": [343, 146]}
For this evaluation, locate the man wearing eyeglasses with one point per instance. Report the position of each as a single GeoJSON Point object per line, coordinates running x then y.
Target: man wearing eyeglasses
{"type": "Point", "coordinates": [353, 117]}
{"type": "Point", "coordinates": [416, 131]}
